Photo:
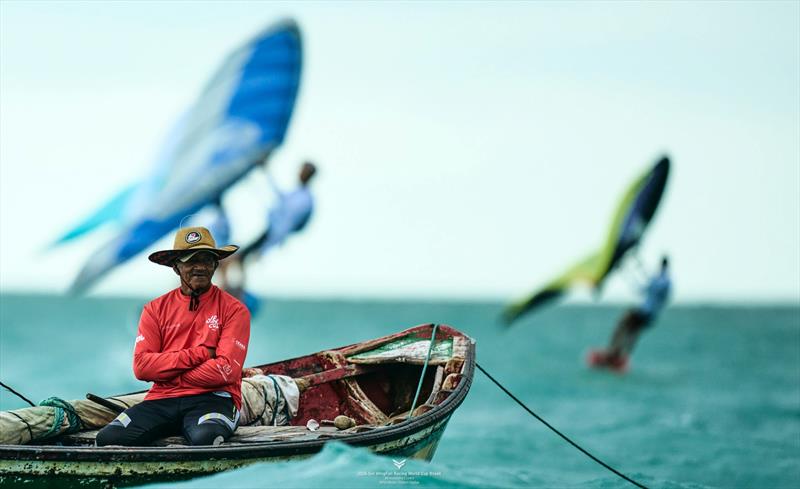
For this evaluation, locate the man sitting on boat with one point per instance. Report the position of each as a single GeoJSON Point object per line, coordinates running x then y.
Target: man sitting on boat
{"type": "Point", "coordinates": [191, 343]}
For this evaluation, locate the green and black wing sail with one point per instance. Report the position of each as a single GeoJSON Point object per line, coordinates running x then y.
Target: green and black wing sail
{"type": "Point", "coordinates": [631, 218]}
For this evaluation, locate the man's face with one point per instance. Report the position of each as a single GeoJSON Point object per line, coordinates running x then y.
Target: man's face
{"type": "Point", "coordinates": [198, 270]}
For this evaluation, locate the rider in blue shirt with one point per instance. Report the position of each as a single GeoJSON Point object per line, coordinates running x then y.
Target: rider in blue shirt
{"type": "Point", "coordinates": [656, 293]}
{"type": "Point", "coordinates": [289, 215]}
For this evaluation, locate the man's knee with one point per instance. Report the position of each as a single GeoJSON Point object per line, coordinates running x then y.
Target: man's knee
{"type": "Point", "coordinates": [114, 434]}
{"type": "Point", "coordinates": [208, 433]}
{"type": "Point", "coordinates": [132, 428]}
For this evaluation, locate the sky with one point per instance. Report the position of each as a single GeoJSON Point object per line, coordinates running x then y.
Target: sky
{"type": "Point", "coordinates": [466, 150]}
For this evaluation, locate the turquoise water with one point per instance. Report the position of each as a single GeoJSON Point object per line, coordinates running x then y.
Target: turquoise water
{"type": "Point", "coordinates": [712, 398]}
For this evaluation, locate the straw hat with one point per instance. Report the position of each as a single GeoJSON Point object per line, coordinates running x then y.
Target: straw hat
{"type": "Point", "coordinates": [189, 241]}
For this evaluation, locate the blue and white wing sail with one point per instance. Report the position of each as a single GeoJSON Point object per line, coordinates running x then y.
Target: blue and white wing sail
{"type": "Point", "coordinates": [239, 119]}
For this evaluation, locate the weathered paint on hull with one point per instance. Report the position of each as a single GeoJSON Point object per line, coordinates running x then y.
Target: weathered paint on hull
{"type": "Point", "coordinates": [420, 445]}
{"type": "Point", "coordinates": [66, 474]}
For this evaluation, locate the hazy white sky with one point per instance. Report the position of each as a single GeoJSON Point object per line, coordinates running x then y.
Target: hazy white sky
{"type": "Point", "coordinates": [465, 150]}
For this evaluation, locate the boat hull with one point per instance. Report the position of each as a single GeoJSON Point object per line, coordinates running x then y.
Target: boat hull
{"type": "Point", "coordinates": [120, 470]}
{"type": "Point", "coordinates": [403, 436]}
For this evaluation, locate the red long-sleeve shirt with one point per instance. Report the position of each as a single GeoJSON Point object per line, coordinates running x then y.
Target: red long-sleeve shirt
{"type": "Point", "coordinates": [171, 345]}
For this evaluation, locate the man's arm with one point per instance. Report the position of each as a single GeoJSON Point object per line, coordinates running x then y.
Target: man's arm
{"type": "Point", "coordinates": [278, 192]}
{"type": "Point", "coordinates": [226, 367]}
{"type": "Point", "coordinates": [151, 364]}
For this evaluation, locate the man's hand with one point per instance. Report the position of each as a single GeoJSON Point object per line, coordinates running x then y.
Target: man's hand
{"type": "Point", "coordinates": [212, 352]}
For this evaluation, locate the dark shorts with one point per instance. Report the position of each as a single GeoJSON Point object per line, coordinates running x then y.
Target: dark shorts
{"type": "Point", "coordinates": [204, 419]}
{"type": "Point", "coordinates": [636, 320]}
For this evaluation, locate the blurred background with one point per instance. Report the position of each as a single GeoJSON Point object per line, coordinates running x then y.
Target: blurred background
{"type": "Point", "coordinates": [465, 150]}
{"type": "Point", "coordinates": [467, 153]}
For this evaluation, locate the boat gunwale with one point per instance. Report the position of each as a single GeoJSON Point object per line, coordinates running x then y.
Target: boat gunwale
{"type": "Point", "coordinates": [381, 434]}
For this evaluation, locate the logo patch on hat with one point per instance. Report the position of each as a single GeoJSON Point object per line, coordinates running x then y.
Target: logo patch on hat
{"type": "Point", "coordinates": [193, 237]}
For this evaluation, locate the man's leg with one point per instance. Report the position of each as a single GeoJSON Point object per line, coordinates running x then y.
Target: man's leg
{"type": "Point", "coordinates": [627, 332]}
{"type": "Point", "coordinates": [209, 419]}
{"type": "Point", "coordinates": [621, 335]}
{"type": "Point", "coordinates": [235, 267]}
{"type": "Point", "coordinates": [255, 246]}
{"type": "Point", "coordinates": [637, 324]}
{"type": "Point", "coordinates": [139, 425]}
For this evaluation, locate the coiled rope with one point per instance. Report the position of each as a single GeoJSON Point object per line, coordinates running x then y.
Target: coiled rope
{"type": "Point", "coordinates": [512, 396]}
{"type": "Point", "coordinates": [62, 409]}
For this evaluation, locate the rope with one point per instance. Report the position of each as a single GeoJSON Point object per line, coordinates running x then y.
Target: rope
{"type": "Point", "coordinates": [277, 402]}
{"type": "Point", "coordinates": [266, 404]}
{"type": "Point", "coordinates": [62, 409]}
{"type": "Point", "coordinates": [512, 396]}
{"type": "Point", "coordinates": [9, 389]}
{"type": "Point", "coordinates": [424, 367]}
{"type": "Point", "coordinates": [278, 396]}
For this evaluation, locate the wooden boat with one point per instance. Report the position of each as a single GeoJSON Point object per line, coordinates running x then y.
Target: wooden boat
{"type": "Point", "coordinates": [373, 382]}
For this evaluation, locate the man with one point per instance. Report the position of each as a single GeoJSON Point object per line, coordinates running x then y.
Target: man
{"type": "Point", "coordinates": [191, 343]}
{"type": "Point", "coordinates": [289, 215]}
{"type": "Point", "coordinates": [638, 319]}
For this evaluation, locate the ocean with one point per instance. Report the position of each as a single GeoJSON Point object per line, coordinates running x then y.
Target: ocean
{"type": "Point", "coordinates": [712, 398]}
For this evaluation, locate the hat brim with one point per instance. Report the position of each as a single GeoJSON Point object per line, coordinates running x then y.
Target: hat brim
{"type": "Point", "coordinates": [168, 257]}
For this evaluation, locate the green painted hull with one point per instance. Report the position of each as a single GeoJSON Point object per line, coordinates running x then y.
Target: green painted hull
{"type": "Point", "coordinates": [114, 467]}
